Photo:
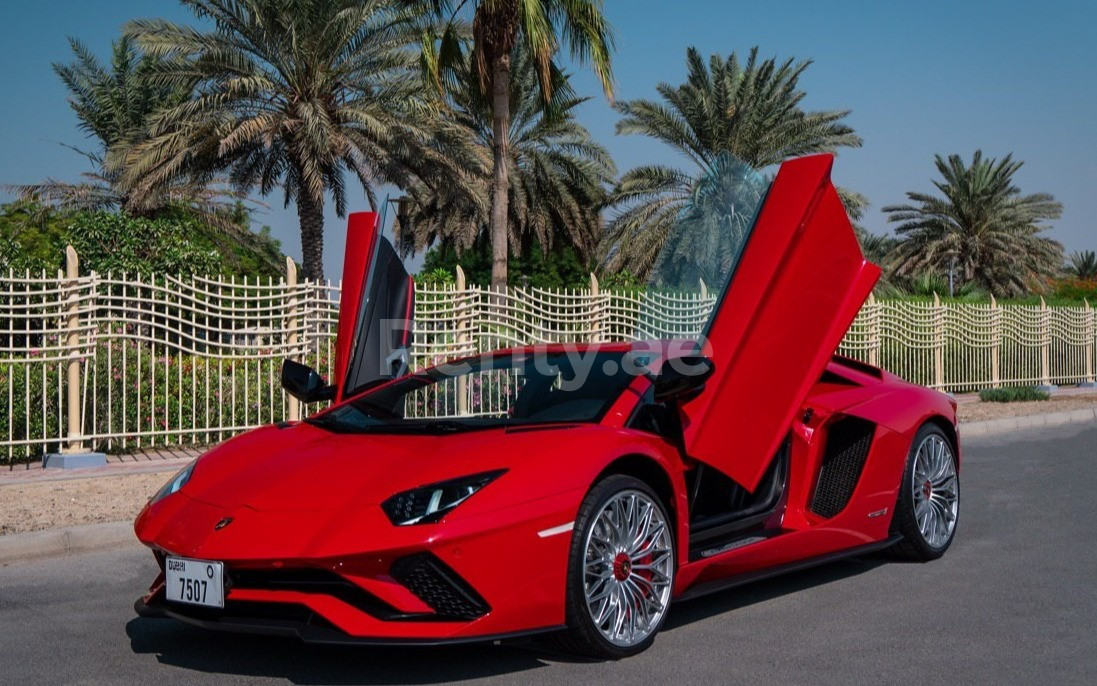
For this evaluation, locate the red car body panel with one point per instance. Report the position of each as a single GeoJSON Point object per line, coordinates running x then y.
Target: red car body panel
{"type": "Point", "coordinates": [299, 497]}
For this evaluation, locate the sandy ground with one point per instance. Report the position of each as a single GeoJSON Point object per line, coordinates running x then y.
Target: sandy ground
{"type": "Point", "coordinates": [54, 504]}
{"type": "Point", "coordinates": [978, 411]}
{"type": "Point", "coordinates": [51, 504]}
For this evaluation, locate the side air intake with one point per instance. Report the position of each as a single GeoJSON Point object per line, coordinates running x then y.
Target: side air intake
{"type": "Point", "coordinates": [848, 442]}
{"type": "Point", "coordinates": [439, 587]}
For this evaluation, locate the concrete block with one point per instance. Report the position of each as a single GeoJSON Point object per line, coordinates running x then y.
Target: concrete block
{"type": "Point", "coordinates": [74, 460]}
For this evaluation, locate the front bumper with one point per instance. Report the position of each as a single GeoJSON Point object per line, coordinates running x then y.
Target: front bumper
{"type": "Point", "coordinates": [479, 578]}
{"type": "Point", "coordinates": [259, 619]}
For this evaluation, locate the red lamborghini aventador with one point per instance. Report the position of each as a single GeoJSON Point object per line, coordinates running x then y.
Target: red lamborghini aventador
{"type": "Point", "coordinates": [579, 490]}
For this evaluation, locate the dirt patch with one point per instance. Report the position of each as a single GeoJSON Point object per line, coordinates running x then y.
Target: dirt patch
{"type": "Point", "coordinates": [980, 411]}
{"type": "Point", "coordinates": [54, 504]}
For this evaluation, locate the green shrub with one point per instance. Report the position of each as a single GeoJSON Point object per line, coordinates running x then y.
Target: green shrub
{"type": "Point", "coordinates": [1012, 395]}
{"type": "Point", "coordinates": [1074, 288]}
{"type": "Point", "coordinates": [179, 393]}
{"type": "Point", "coordinates": [439, 276]}
{"type": "Point", "coordinates": [623, 280]}
{"type": "Point", "coordinates": [34, 238]}
{"type": "Point", "coordinates": [560, 267]}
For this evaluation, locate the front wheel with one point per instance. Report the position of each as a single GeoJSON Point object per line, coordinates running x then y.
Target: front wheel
{"type": "Point", "coordinates": [929, 497]}
{"type": "Point", "coordinates": [620, 570]}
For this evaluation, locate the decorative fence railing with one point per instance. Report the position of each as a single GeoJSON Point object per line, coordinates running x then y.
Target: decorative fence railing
{"type": "Point", "coordinates": [119, 362]}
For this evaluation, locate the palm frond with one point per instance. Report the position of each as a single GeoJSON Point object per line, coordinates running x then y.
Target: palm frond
{"type": "Point", "coordinates": [725, 109]}
{"type": "Point", "coordinates": [559, 175]}
{"type": "Point", "coordinates": [288, 96]}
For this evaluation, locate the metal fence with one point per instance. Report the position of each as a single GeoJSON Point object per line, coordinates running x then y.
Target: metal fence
{"type": "Point", "coordinates": [123, 362]}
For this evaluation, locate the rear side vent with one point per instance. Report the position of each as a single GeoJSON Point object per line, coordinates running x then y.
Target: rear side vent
{"type": "Point", "coordinates": [848, 442]}
{"type": "Point", "coordinates": [439, 587]}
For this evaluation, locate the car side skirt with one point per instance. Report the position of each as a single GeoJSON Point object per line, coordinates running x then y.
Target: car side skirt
{"type": "Point", "coordinates": [758, 575]}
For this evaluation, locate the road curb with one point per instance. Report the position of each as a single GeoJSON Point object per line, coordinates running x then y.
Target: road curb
{"type": "Point", "coordinates": [1006, 424]}
{"type": "Point", "coordinates": [67, 541]}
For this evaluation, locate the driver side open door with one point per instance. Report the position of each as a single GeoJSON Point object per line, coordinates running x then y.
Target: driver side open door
{"type": "Point", "coordinates": [376, 310]}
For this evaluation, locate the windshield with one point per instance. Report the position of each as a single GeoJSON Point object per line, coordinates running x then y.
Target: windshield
{"type": "Point", "coordinates": [500, 391]}
{"type": "Point", "coordinates": [705, 237]}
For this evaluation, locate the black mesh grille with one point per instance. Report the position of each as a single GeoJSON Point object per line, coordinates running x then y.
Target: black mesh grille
{"type": "Point", "coordinates": [438, 586]}
{"type": "Point", "coordinates": [848, 441]}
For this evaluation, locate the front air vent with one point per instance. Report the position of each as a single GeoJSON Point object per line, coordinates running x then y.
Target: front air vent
{"type": "Point", "coordinates": [848, 442]}
{"type": "Point", "coordinates": [312, 581]}
{"type": "Point", "coordinates": [439, 587]}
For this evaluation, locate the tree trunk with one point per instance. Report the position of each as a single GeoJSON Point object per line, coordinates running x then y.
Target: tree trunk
{"type": "Point", "coordinates": [311, 216]}
{"type": "Point", "coordinates": [500, 183]}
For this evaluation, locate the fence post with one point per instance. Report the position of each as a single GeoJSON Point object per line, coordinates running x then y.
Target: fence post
{"type": "Point", "coordinates": [598, 313]}
{"type": "Point", "coordinates": [873, 331]}
{"type": "Point", "coordinates": [294, 336]}
{"type": "Point", "coordinates": [463, 339]}
{"type": "Point", "coordinates": [75, 454]}
{"type": "Point", "coordinates": [938, 343]}
{"type": "Point", "coordinates": [995, 343]}
{"type": "Point", "coordinates": [1090, 342]}
{"type": "Point", "coordinates": [1045, 346]}
{"type": "Point", "coordinates": [72, 341]}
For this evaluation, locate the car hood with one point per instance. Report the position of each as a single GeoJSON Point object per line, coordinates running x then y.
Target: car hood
{"type": "Point", "coordinates": [305, 468]}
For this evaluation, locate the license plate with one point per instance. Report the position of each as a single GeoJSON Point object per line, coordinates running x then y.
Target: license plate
{"type": "Point", "coordinates": [194, 582]}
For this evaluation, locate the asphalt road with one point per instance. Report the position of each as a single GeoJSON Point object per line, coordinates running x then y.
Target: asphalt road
{"type": "Point", "coordinates": [1013, 601]}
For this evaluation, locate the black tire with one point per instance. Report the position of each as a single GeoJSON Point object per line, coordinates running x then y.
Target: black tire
{"type": "Point", "coordinates": [582, 637]}
{"type": "Point", "coordinates": [914, 546]}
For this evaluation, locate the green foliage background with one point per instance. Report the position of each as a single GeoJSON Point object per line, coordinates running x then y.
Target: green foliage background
{"type": "Point", "coordinates": [34, 238]}
{"type": "Point", "coordinates": [1012, 394]}
{"type": "Point", "coordinates": [561, 267]}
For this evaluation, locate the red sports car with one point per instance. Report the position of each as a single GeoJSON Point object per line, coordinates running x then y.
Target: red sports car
{"type": "Point", "coordinates": [578, 490]}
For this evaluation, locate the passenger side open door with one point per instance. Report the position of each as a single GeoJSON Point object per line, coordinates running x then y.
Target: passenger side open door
{"type": "Point", "coordinates": [797, 287]}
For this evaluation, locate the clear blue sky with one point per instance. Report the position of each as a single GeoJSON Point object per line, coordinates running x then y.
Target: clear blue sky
{"type": "Point", "coordinates": [921, 78]}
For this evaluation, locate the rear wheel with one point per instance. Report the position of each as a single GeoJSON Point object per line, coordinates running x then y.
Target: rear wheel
{"type": "Point", "coordinates": [620, 570]}
{"type": "Point", "coordinates": [929, 497]}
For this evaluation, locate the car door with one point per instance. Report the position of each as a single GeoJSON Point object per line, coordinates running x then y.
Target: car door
{"type": "Point", "coordinates": [797, 286]}
{"type": "Point", "coordinates": [376, 310]}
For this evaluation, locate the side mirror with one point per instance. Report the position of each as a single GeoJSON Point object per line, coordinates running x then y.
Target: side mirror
{"type": "Point", "coordinates": [302, 382]}
{"type": "Point", "coordinates": [683, 378]}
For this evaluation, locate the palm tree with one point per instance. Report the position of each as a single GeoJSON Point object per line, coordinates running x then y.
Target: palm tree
{"type": "Point", "coordinates": [536, 28]}
{"type": "Point", "coordinates": [877, 248]}
{"type": "Point", "coordinates": [114, 104]}
{"type": "Point", "coordinates": [1083, 264]}
{"type": "Point", "coordinates": [559, 180]}
{"type": "Point", "coordinates": [983, 229]}
{"type": "Point", "coordinates": [749, 111]}
{"type": "Point", "coordinates": [290, 95]}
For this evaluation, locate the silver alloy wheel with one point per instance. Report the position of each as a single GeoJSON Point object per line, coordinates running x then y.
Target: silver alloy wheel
{"type": "Point", "coordinates": [936, 491]}
{"type": "Point", "coordinates": [628, 568]}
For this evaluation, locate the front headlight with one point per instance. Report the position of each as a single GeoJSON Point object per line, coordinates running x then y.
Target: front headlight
{"type": "Point", "coordinates": [430, 503]}
{"type": "Point", "coordinates": [175, 483]}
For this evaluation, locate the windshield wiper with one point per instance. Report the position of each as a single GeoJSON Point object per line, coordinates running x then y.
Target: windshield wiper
{"type": "Point", "coordinates": [371, 409]}
{"type": "Point", "coordinates": [325, 422]}
{"type": "Point", "coordinates": [446, 425]}
{"type": "Point", "coordinates": [398, 426]}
